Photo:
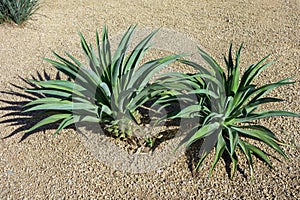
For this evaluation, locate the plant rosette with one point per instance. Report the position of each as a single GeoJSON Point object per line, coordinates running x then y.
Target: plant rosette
{"type": "Point", "coordinates": [230, 111]}
{"type": "Point", "coordinates": [106, 94]}
{"type": "Point", "coordinates": [17, 11]}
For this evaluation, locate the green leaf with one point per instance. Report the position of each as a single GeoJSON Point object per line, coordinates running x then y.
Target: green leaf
{"type": "Point", "coordinates": [205, 92]}
{"type": "Point", "coordinates": [104, 110]}
{"type": "Point", "coordinates": [48, 120]}
{"type": "Point", "coordinates": [45, 100]}
{"type": "Point", "coordinates": [233, 139]}
{"type": "Point", "coordinates": [264, 129]}
{"type": "Point", "coordinates": [259, 153]}
{"type": "Point", "coordinates": [236, 104]}
{"type": "Point", "coordinates": [67, 68]}
{"type": "Point", "coordinates": [263, 114]}
{"type": "Point", "coordinates": [143, 74]}
{"type": "Point", "coordinates": [51, 92]}
{"type": "Point", "coordinates": [105, 53]}
{"type": "Point", "coordinates": [236, 72]}
{"type": "Point", "coordinates": [66, 122]}
{"type": "Point", "coordinates": [219, 151]}
{"type": "Point", "coordinates": [95, 63]}
{"type": "Point", "coordinates": [267, 88]}
{"type": "Point", "coordinates": [211, 79]}
{"type": "Point", "coordinates": [138, 53]}
{"type": "Point", "coordinates": [196, 66]}
{"type": "Point", "coordinates": [188, 112]}
{"type": "Point", "coordinates": [90, 119]}
{"type": "Point", "coordinates": [253, 71]}
{"type": "Point", "coordinates": [118, 58]}
{"type": "Point", "coordinates": [234, 165]}
{"type": "Point", "coordinates": [204, 131]}
{"type": "Point", "coordinates": [124, 43]}
{"type": "Point", "coordinates": [247, 154]}
{"type": "Point", "coordinates": [217, 70]}
{"type": "Point", "coordinates": [63, 106]}
{"type": "Point", "coordinates": [73, 66]}
{"type": "Point", "coordinates": [233, 71]}
{"type": "Point", "coordinates": [61, 85]}
{"type": "Point", "coordinates": [203, 156]}
{"type": "Point", "coordinates": [229, 62]}
{"type": "Point", "coordinates": [263, 135]}
{"type": "Point", "coordinates": [260, 101]}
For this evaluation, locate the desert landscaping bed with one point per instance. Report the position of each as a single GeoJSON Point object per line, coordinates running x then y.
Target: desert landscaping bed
{"type": "Point", "coordinates": [44, 166]}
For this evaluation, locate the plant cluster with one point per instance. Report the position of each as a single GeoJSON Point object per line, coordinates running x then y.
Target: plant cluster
{"type": "Point", "coordinates": [229, 110]}
{"type": "Point", "coordinates": [17, 11]}
{"type": "Point", "coordinates": [113, 88]}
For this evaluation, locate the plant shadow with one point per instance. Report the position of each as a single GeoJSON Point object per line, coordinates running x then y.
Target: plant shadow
{"type": "Point", "coordinates": [16, 116]}
{"type": "Point", "coordinates": [193, 157]}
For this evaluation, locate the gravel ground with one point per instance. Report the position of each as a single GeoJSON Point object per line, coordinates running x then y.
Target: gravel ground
{"type": "Point", "coordinates": [44, 166]}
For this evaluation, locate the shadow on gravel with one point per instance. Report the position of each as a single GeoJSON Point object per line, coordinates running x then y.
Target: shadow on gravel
{"type": "Point", "coordinates": [193, 157]}
{"type": "Point", "coordinates": [16, 116]}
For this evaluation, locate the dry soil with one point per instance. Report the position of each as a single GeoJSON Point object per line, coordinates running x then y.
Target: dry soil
{"type": "Point", "coordinates": [44, 166]}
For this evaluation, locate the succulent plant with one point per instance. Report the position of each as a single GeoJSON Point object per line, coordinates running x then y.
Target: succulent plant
{"type": "Point", "coordinates": [228, 109]}
{"type": "Point", "coordinates": [17, 11]}
{"type": "Point", "coordinates": [109, 90]}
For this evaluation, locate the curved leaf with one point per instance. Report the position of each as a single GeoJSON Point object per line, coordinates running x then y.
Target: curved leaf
{"type": "Point", "coordinates": [219, 151]}
{"type": "Point", "coordinates": [48, 120]}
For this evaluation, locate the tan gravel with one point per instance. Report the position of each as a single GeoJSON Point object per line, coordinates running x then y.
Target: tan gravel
{"type": "Point", "coordinates": [59, 167]}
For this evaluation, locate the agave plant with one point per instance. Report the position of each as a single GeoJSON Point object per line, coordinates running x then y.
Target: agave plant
{"type": "Point", "coordinates": [109, 90]}
{"type": "Point", "coordinates": [17, 11]}
{"type": "Point", "coordinates": [227, 110]}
